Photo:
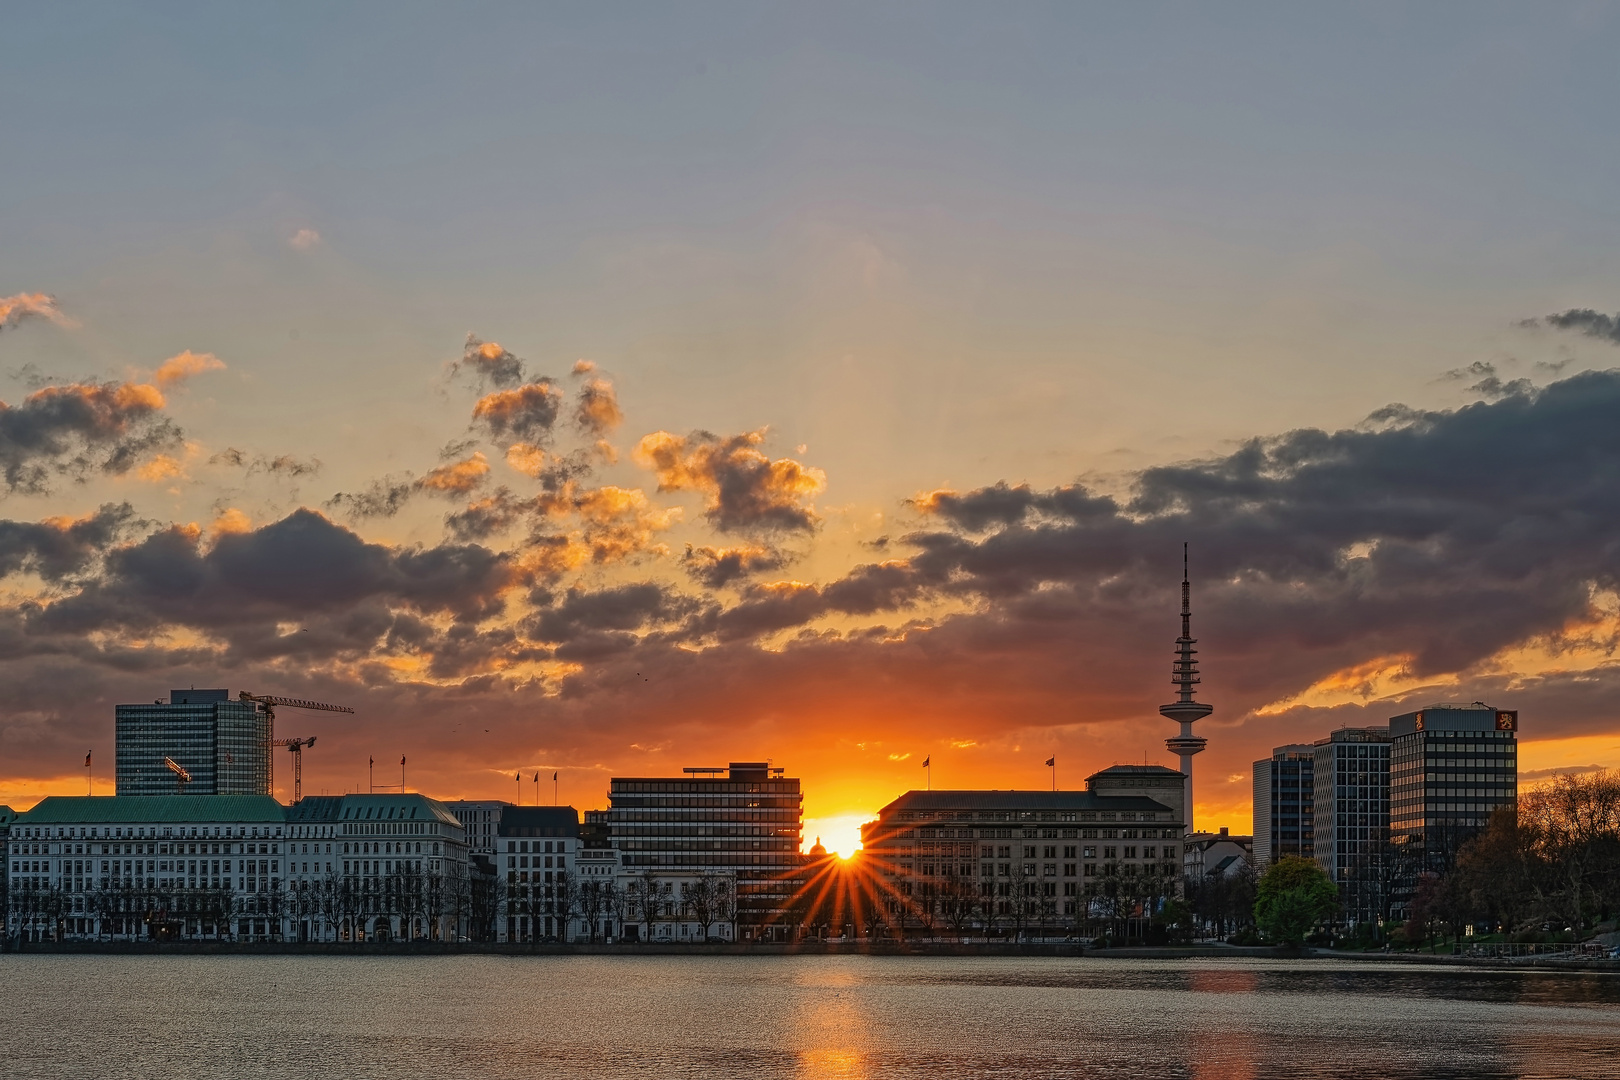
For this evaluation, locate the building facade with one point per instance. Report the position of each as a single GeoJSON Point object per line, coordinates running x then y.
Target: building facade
{"type": "Point", "coordinates": [234, 867]}
{"type": "Point", "coordinates": [536, 851]}
{"type": "Point", "coordinates": [1284, 801]}
{"type": "Point", "coordinates": [1450, 766]}
{"type": "Point", "coordinates": [1024, 860]}
{"type": "Point", "coordinates": [223, 744]}
{"type": "Point", "coordinates": [741, 824]}
{"type": "Point", "coordinates": [1351, 807]}
{"type": "Point", "coordinates": [481, 818]}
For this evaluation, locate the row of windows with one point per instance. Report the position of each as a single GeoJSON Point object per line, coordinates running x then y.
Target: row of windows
{"type": "Point", "coordinates": [92, 832]}
{"type": "Point", "coordinates": [148, 849]}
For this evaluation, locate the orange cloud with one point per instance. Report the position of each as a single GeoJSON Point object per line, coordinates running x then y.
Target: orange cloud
{"type": "Point", "coordinates": [184, 365]}
{"type": "Point", "coordinates": [14, 309]}
{"type": "Point", "coordinates": [526, 458]}
{"type": "Point", "coordinates": [746, 489]}
{"type": "Point", "coordinates": [526, 412]}
{"type": "Point", "coordinates": [458, 478]}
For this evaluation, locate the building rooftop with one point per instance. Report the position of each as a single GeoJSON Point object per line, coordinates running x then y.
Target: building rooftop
{"type": "Point", "coordinates": [1023, 800]}
{"type": "Point", "coordinates": [151, 809]}
{"type": "Point", "coordinates": [393, 806]}
{"type": "Point", "coordinates": [538, 821]}
{"type": "Point", "coordinates": [1135, 770]}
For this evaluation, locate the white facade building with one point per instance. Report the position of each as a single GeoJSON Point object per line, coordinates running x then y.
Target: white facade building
{"type": "Point", "coordinates": [233, 867]}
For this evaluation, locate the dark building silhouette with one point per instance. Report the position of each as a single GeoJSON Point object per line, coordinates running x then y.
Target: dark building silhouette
{"type": "Point", "coordinates": [1283, 803]}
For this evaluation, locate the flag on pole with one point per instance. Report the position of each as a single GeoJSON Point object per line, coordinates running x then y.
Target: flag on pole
{"type": "Point", "coordinates": [537, 777]}
{"type": "Point", "coordinates": [371, 761]}
{"type": "Point", "coordinates": [926, 760]}
{"type": "Point", "coordinates": [518, 777]}
{"type": "Point", "coordinates": [87, 759]}
{"type": "Point", "coordinates": [554, 777]}
{"type": "Point", "coordinates": [402, 761]}
{"type": "Point", "coordinates": [1052, 761]}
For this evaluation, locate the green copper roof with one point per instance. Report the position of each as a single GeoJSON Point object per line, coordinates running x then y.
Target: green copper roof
{"type": "Point", "coordinates": [151, 809]}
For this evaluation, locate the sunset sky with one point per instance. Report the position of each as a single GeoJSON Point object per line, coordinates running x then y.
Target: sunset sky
{"type": "Point", "coordinates": [610, 390]}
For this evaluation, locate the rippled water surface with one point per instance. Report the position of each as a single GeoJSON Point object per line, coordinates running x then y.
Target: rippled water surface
{"type": "Point", "coordinates": [828, 1016]}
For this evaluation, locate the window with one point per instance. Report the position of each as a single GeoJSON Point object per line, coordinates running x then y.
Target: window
{"type": "Point", "coordinates": [1110, 853]}
{"type": "Point", "coordinates": [1029, 851]}
{"type": "Point", "coordinates": [1068, 852]}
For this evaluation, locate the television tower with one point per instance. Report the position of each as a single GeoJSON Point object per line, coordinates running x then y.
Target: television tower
{"type": "Point", "coordinates": [1184, 710]}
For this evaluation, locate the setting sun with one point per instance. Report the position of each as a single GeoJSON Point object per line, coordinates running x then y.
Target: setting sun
{"type": "Point", "coordinates": [840, 834]}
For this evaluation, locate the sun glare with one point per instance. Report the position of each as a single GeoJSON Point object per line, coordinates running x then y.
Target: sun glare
{"type": "Point", "coordinates": [841, 834]}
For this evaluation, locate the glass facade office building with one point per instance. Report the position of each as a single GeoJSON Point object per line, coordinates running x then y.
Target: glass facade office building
{"type": "Point", "coordinates": [1284, 801]}
{"type": "Point", "coordinates": [1350, 828]}
{"type": "Point", "coordinates": [745, 820]}
{"type": "Point", "coordinates": [1450, 767]}
{"type": "Point", "coordinates": [223, 744]}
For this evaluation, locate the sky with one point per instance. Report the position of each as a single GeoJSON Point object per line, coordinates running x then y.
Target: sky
{"type": "Point", "coordinates": [603, 391]}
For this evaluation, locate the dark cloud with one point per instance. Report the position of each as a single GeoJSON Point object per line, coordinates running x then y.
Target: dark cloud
{"type": "Point", "coordinates": [81, 428]}
{"type": "Point", "coordinates": [527, 413]}
{"type": "Point", "coordinates": [59, 548]}
{"type": "Point", "coordinates": [1479, 369]}
{"type": "Point", "coordinates": [489, 363]}
{"type": "Point", "coordinates": [1588, 322]}
{"type": "Point", "coordinates": [384, 498]}
{"type": "Point", "coordinates": [618, 609]}
{"type": "Point", "coordinates": [303, 567]}
{"type": "Point", "coordinates": [285, 466]}
{"type": "Point", "coordinates": [745, 489]}
{"type": "Point", "coordinates": [716, 567]}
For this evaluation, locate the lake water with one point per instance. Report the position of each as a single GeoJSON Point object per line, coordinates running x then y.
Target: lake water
{"type": "Point", "coordinates": [822, 1016]}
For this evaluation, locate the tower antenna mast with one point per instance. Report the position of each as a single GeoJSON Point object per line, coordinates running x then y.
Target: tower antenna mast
{"type": "Point", "coordinates": [1186, 709]}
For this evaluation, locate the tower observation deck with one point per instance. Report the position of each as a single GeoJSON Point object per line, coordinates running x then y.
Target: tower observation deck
{"type": "Point", "coordinates": [1186, 708]}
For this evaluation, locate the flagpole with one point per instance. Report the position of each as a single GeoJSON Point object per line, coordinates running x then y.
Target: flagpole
{"type": "Point", "coordinates": [555, 801]}
{"type": "Point", "coordinates": [402, 773]}
{"type": "Point", "coordinates": [371, 766]}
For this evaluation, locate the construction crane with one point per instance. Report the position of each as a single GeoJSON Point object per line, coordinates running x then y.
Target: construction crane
{"type": "Point", "coordinates": [270, 702]}
{"type": "Point", "coordinates": [181, 777]}
{"type": "Point", "coordinates": [296, 748]}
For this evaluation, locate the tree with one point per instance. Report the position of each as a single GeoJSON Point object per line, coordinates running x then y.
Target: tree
{"type": "Point", "coordinates": [646, 897]}
{"type": "Point", "coordinates": [1294, 895]}
{"type": "Point", "coordinates": [701, 897]}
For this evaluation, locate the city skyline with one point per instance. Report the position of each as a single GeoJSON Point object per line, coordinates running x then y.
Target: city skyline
{"type": "Point", "coordinates": [836, 388]}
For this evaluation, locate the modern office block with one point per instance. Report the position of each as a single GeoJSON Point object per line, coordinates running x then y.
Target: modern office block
{"type": "Point", "coordinates": [1283, 803]}
{"type": "Point", "coordinates": [742, 822]}
{"type": "Point", "coordinates": [1350, 827]}
{"type": "Point", "coordinates": [223, 745]}
{"type": "Point", "coordinates": [1451, 766]}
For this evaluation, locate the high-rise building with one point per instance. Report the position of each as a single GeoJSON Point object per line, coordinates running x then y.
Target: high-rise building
{"type": "Point", "coordinates": [743, 822]}
{"type": "Point", "coordinates": [1450, 767]}
{"type": "Point", "coordinates": [1283, 801]}
{"type": "Point", "coordinates": [1350, 829]}
{"type": "Point", "coordinates": [223, 745]}
{"type": "Point", "coordinates": [1185, 710]}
